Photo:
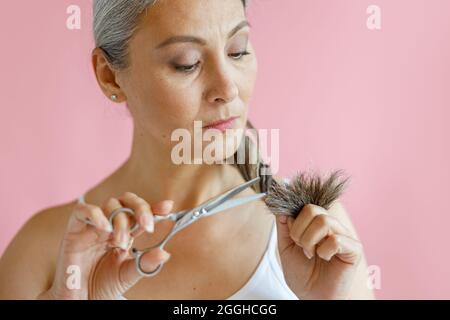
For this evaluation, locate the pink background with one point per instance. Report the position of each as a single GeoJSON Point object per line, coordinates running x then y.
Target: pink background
{"type": "Point", "coordinates": [374, 103]}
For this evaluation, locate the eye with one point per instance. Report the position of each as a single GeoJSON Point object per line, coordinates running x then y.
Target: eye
{"type": "Point", "coordinates": [193, 67]}
{"type": "Point", "coordinates": [187, 68]}
{"type": "Point", "coordinates": [239, 55]}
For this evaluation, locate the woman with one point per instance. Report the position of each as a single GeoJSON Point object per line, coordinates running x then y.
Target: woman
{"type": "Point", "coordinates": [175, 62]}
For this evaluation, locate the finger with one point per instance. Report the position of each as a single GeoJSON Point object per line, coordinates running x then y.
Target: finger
{"type": "Point", "coordinates": [160, 208]}
{"type": "Point", "coordinates": [88, 214]}
{"type": "Point", "coordinates": [128, 274]}
{"type": "Point", "coordinates": [284, 239]}
{"type": "Point", "coordinates": [345, 248]}
{"type": "Point", "coordinates": [121, 224]}
{"type": "Point", "coordinates": [321, 227]}
{"type": "Point", "coordinates": [142, 210]}
{"type": "Point", "coordinates": [298, 226]}
{"type": "Point", "coordinates": [163, 207]}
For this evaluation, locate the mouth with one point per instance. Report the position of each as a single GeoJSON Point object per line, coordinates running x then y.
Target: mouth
{"type": "Point", "coordinates": [221, 125]}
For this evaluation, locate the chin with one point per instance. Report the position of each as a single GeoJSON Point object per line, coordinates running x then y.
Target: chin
{"type": "Point", "coordinates": [224, 147]}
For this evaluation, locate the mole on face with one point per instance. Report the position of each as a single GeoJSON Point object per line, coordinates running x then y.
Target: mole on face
{"type": "Point", "coordinates": [304, 188]}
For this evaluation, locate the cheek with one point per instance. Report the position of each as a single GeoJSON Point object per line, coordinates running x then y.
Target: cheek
{"type": "Point", "coordinates": [179, 106]}
{"type": "Point", "coordinates": [164, 105]}
{"type": "Point", "coordinates": [250, 81]}
{"type": "Point", "coordinates": [246, 85]}
{"type": "Point", "coordinates": [249, 76]}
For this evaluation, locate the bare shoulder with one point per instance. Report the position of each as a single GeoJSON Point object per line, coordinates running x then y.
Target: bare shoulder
{"type": "Point", "coordinates": [360, 289]}
{"type": "Point", "coordinates": [28, 263]}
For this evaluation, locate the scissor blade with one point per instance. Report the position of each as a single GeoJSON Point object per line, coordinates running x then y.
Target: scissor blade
{"type": "Point", "coordinates": [235, 203]}
{"type": "Point", "coordinates": [214, 202]}
{"type": "Point", "coordinates": [210, 205]}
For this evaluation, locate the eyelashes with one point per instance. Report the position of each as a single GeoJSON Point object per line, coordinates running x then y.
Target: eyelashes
{"type": "Point", "coordinates": [192, 68]}
{"type": "Point", "coordinates": [239, 55]}
{"type": "Point", "coordinates": [188, 68]}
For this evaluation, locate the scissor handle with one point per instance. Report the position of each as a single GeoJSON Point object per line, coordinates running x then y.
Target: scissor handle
{"type": "Point", "coordinates": [185, 218]}
{"type": "Point", "coordinates": [141, 271]}
{"type": "Point", "coordinates": [128, 211]}
{"type": "Point", "coordinates": [157, 218]}
{"type": "Point", "coordinates": [180, 224]}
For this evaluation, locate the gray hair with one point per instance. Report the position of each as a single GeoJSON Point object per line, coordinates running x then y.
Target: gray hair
{"type": "Point", "coordinates": [115, 22]}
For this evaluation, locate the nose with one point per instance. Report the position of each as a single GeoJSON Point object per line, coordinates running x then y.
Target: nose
{"type": "Point", "coordinates": [222, 85]}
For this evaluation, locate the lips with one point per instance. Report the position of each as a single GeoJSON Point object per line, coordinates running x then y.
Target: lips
{"type": "Point", "coordinates": [222, 125]}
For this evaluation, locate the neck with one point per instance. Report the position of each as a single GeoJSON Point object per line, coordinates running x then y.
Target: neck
{"type": "Point", "coordinates": [154, 177]}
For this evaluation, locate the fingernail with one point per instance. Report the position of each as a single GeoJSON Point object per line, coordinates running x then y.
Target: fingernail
{"type": "Point", "coordinates": [169, 203]}
{"type": "Point", "coordinates": [148, 222]}
{"type": "Point", "coordinates": [108, 227]}
{"type": "Point", "coordinates": [123, 241]}
{"type": "Point", "coordinates": [165, 256]}
{"type": "Point", "coordinates": [282, 218]}
{"type": "Point", "coordinates": [307, 254]}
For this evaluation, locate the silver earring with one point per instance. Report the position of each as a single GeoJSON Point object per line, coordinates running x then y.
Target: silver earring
{"type": "Point", "coordinates": [114, 97]}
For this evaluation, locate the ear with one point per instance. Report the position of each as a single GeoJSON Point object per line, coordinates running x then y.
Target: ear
{"type": "Point", "coordinates": [106, 76]}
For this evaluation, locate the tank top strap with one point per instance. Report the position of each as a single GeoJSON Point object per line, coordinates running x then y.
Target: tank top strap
{"type": "Point", "coordinates": [81, 199]}
{"type": "Point", "coordinates": [273, 239]}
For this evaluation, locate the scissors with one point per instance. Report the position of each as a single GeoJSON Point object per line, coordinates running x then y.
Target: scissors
{"type": "Point", "coordinates": [186, 217]}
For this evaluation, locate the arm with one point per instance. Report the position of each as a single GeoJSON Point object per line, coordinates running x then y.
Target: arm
{"type": "Point", "coordinates": [25, 265]}
{"type": "Point", "coordinates": [360, 290]}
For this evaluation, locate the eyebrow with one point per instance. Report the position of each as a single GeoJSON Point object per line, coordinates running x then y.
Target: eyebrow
{"type": "Point", "coordinates": [200, 41]}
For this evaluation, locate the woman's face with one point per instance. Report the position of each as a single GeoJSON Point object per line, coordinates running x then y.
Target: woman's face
{"type": "Point", "coordinates": [202, 75]}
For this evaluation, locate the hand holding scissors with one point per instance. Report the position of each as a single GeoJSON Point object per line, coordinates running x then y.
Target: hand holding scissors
{"type": "Point", "coordinates": [186, 217]}
{"type": "Point", "coordinates": [105, 272]}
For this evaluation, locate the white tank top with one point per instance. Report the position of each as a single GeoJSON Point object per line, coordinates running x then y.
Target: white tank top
{"type": "Point", "coordinates": [267, 282]}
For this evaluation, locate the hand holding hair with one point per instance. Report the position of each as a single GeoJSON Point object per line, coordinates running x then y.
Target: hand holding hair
{"type": "Point", "coordinates": [318, 253]}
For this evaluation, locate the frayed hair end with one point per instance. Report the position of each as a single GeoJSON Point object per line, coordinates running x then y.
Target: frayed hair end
{"type": "Point", "coordinates": [305, 188]}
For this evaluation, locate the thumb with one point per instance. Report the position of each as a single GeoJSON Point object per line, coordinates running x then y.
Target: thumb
{"type": "Point", "coordinates": [163, 207]}
{"type": "Point", "coordinates": [128, 273]}
{"type": "Point", "coordinates": [283, 229]}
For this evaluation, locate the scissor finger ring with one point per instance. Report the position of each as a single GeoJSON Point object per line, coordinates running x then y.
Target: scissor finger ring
{"type": "Point", "coordinates": [140, 270]}
{"type": "Point", "coordinates": [128, 211]}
